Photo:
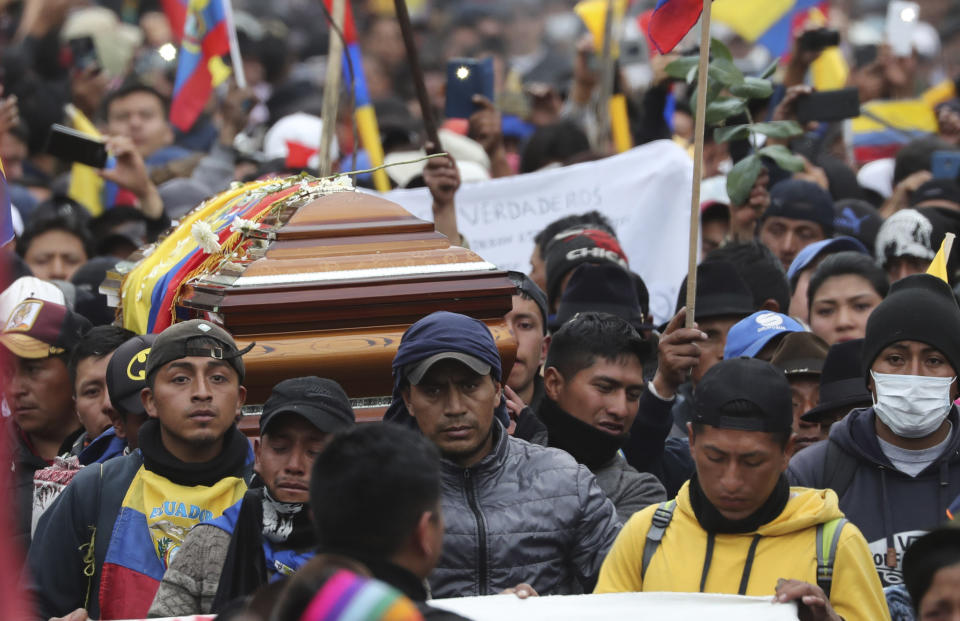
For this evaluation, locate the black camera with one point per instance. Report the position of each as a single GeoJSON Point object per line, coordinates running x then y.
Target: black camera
{"type": "Point", "coordinates": [818, 40]}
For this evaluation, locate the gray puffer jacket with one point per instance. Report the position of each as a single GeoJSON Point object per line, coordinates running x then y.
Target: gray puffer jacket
{"type": "Point", "coordinates": [525, 513]}
{"type": "Point", "coordinates": [628, 489]}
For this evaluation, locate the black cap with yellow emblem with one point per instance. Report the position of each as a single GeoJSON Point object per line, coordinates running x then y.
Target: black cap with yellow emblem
{"type": "Point", "coordinates": [127, 374]}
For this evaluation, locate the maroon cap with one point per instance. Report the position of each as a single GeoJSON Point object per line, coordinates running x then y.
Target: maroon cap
{"type": "Point", "coordinates": [38, 329]}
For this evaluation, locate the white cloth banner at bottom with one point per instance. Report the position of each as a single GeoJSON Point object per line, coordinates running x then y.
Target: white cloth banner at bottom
{"type": "Point", "coordinates": [672, 606]}
{"type": "Point", "coordinates": [644, 191]}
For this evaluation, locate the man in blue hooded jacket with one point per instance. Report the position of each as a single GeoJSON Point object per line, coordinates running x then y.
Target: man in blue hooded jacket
{"type": "Point", "coordinates": [514, 512]}
{"type": "Point", "coordinates": [896, 466]}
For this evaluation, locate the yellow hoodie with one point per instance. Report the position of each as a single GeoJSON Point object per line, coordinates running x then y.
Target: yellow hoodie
{"type": "Point", "coordinates": [786, 549]}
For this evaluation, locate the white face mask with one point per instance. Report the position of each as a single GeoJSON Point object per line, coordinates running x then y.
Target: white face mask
{"type": "Point", "coordinates": [912, 406]}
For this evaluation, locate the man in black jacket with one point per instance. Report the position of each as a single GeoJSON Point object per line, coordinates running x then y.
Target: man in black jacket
{"type": "Point", "coordinates": [375, 493]}
{"type": "Point", "coordinates": [593, 380]}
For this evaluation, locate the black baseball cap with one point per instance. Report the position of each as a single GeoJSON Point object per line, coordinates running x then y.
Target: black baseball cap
{"type": "Point", "coordinates": [745, 394]}
{"type": "Point", "coordinates": [416, 370]}
{"type": "Point", "coordinates": [176, 342]}
{"type": "Point", "coordinates": [841, 382]}
{"type": "Point", "coordinates": [526, 286]}
{"type": "Point", "coordinates": [127, 373]}
{"type": "Point", "coordinates": [321, 402]}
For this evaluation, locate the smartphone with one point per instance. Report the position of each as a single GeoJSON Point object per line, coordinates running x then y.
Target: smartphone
{"type": "Point", "coordinates": [83, 53]}
{"type": "Point", "coordinates": [818, 39]}
{"type": "Point", "coordinates": [902, 17]}
{"type": "Point", "coordinates": [945, 164]}
{"type": "Point", "coordinates": [73, 146]}
{"type": "Point", "coordinates": [467, 77]}
{"type": "Point", "coordinates": [829, 105]}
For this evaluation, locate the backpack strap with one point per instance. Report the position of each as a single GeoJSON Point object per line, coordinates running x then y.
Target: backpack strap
{"type": "Point", "coordinates": [828, 537]}
{"type": "Point", "coordinates": [839, 468]}
{"type": "Point", "coordinates": [658, 525]}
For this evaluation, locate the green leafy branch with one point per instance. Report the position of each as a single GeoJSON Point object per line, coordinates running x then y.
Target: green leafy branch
{"type": "Point", "coordinates": [728, 92]}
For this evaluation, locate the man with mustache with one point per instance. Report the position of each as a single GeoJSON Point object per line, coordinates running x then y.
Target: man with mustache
{"type": "Point", "coordinates": [102, 547]}
{"type": "Point", "coordinates": [268, 534]}
{"type": "Point", "coordinates": [593, 382]}
{"type": "Point", "coordinates": [514, 512]}
{"type": "Point", "coordinates": [37, 340]}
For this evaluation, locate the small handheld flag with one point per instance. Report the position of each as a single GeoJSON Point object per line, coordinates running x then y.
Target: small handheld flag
{"type": "Point", "coordinates": [938, 267]}
{"type": "Point", "coordinates": [671, 21]}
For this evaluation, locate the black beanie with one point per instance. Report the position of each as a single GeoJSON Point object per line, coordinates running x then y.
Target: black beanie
{"type": "Point", "coordinates": [920, 308]}
{"type": "Point", "coordinates": [802, 200]}
{"type": "Point", "coordinates": [580, 246]}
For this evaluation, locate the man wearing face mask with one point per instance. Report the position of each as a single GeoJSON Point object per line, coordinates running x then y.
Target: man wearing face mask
{"type": "Point", "coordinates": [896, 465]}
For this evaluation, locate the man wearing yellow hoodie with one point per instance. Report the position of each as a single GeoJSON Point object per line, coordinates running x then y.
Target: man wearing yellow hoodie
{"type": "Point", "coordinates": [754, 533]}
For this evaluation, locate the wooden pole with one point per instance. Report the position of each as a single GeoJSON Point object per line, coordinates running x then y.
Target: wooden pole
{"type": "Point", "coordinates": [331, 88]}
{"type": "Point", "coordinates": [948, 246]}
{"type": "Point", "coordinates": [699, 128]}
{"type": "Point", "coordinates": [413, 61]}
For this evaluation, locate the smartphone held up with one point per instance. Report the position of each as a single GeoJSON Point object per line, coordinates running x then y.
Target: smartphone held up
{"type": "Point", "coordinates": [467, 77]}
{"type": "Point", "coordinates": [73, 146]}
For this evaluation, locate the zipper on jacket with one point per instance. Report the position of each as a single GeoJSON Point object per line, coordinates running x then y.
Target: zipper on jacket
{"type": "Point", "coordinates": [481, 530]}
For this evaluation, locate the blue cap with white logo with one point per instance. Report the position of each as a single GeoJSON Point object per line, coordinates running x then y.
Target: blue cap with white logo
{"type": "Point", "coordinates": [748, 336]}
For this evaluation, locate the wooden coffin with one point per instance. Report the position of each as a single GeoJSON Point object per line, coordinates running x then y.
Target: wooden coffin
{"type": "Point", "coordinates": [332, 289]}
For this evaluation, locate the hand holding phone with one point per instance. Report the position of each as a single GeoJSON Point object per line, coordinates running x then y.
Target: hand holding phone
{"type": "Point", "coordinates": [73, 146]}
{"type": "Point", "coordinates": [828, 106]}
{"type": "Point", "coordinates": [945, 165]}
{"type": "Point", "coordinates": [467, 77]}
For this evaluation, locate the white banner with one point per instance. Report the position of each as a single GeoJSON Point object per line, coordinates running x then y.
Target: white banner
{"type": "Point", "coordinates": [645, 192]}
{"type": "Point", "coordinates": [672, 606]}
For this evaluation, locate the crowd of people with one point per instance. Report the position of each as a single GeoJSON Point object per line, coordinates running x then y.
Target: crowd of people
{"type": "Point", "coordinates": [800, 441]}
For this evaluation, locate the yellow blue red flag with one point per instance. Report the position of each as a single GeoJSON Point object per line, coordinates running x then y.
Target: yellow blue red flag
{"type": "Point", "coordinates": [200, 66]}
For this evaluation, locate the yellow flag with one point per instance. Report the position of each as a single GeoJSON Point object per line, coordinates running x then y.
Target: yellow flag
{"type": "Point", "coordinates": [938, 267]}
{"type": "Point", "coordinates": [594, 16]}
{"type": "Point", "coordinates": [86, 184]}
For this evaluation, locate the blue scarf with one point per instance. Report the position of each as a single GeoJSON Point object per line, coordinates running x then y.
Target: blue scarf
{"type": "Point", "coordinates": [441, 332]}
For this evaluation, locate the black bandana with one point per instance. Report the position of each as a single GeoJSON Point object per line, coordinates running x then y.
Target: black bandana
{"type": "Point", "coordinates": [286, 525]}
{"type": "Point", "coordinates": [588, 445]}
{"type": "Point", "coordinates": [156, 458]}
{"type": "Point", "coordinates": [713, 521]}
{"type": "Point", "coordinates": [245, 566]}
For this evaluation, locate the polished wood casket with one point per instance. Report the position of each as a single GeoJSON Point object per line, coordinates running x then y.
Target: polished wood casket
{"type": "Point", "coordinates": [331, 286]}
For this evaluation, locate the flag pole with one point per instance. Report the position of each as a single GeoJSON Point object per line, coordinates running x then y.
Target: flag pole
{"type": "Point", "coordinates": [235, 59]}
{"type": "Point", "coordinates": [413, 61]}
{"type": "Point", "coordinates": [331, 87]}
{"type": "Point", "coordinates": [948, 245]}
{"type": "Point", "coordinates": [699, 128]}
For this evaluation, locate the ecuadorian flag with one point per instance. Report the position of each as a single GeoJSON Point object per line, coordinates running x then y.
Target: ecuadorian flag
{"type": "Point", "coordinates": [364, 115]}
{"type": "Point", "coordinates": [154, 519]}
{"type": "Point", "coordinates": [767, 22]}
{"type": "Point", "coordinates": [885, 126]}
{"type": "Point", "coordinates": [200, 66]}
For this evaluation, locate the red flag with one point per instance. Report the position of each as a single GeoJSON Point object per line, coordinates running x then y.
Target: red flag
{"type": "Point", "coordinates": [671, 21]}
